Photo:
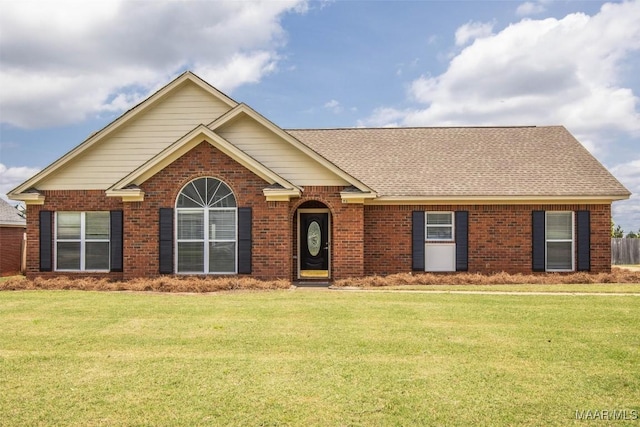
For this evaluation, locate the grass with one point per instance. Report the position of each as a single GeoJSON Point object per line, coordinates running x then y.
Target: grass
{"type": "Point", "coordinates": [315, 358]}
{"type": "Point", "coordinates": [578, 288]}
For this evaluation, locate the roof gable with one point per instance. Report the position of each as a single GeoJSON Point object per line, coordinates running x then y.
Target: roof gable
{"type": "Point", "coordinates": [182, 146]}
{"type": "Point", "coordinates": [279, 150]}
{"type": "Point", "coordinates": [271, 153]}
{"type": "Point", "coordinates": [151, 122]}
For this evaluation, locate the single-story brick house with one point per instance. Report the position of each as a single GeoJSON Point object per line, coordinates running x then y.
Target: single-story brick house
{"type": "Point", "coordinates": [192, 182]}
{"type": "Point", "coordinates": [12, 230]}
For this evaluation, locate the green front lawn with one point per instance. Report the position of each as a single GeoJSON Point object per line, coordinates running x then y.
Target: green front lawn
{"type": "Point", "coordinates": [315, 358]}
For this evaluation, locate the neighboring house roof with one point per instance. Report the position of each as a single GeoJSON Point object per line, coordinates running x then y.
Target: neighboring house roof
{"type": "Point", "coordinates": [9, 216]}
{"type": "Point", "coordinates": [467, 162]}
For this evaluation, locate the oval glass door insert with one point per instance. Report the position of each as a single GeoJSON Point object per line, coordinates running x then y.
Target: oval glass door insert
{"type": "Point", "coordinates": [313, 238]}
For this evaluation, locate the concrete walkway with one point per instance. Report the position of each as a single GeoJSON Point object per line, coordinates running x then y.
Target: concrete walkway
{"type": "Point", "coordinates": [435, 291]}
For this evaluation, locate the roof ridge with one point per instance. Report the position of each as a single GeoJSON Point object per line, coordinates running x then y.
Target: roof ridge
{"type": "Point", "coordinates": [423, 127]}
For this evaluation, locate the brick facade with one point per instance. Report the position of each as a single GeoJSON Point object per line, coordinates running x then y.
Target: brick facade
{"type": "Point", "coordinates": [274, 240]}
{"type": "Point", "coordinates": [500, 236]}
{"type": "Point", "coordinates": [11, 250]}
{"type": "Point", "coordinates": [365, 240]}
{"type": "Point", "coordinates": [64, 200]}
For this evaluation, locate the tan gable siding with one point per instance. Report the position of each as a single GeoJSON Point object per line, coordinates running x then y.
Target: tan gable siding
{"type": "Point", "coordinates": [137, 142]}
{"type": "Point", "coordinates": [276, 153]}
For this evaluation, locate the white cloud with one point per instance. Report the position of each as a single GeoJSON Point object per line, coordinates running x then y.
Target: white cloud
{"type": "Point", "coordinates": [627, 213]}
{"type": "Point", "coordinates": [540, 72]}
{"type": "Point", "coordinates": [334, 106]}
{"type": "Point", "coordinates": [11, 177]}
{"type": "Point", "coordinates": [629, 174]}
{"type": "Point", "coordinates": [63, 61]}
{"type": "Point", "coordinates": [385, 117]}
{"type": "Point", "coordinates": [471, 31]}
{"type": "Point", "coordinates": [566, 71]}
{"type": "Point", "coordinates": [239, 69]}
{"type": "Point", "coordinates": [530, 8]}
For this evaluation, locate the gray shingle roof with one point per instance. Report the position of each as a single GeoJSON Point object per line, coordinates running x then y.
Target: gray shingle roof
{"type": "Point", "coordinates": [10, 215]}
{"type": "Point", "coordinates": [466, 161]}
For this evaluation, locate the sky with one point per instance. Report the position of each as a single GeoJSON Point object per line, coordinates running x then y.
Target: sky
{"type": "Point", "coordinates": [69, 68]}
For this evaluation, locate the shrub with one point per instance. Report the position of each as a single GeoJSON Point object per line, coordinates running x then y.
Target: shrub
{"type": "Point", "coordinates": [617, 275]}
{"type": "Point", "coordinates": [207, 284]}
{"type": "Point", "coordinates": [160, 284]}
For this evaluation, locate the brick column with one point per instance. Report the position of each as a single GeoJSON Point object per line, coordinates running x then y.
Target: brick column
{"type": "Point", "coordinates": [271, 241]}
{"type": "Point", "coordinates": [348, 241]}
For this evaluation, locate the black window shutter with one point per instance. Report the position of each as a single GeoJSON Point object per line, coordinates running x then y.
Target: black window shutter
{"type": "Point", "coordinates": [462, 240]}
{"type": "Point", "coordinates": [538, 241]}
{"type": "Point", "coordinates": [244, 240]}
{"type": "Point", "coordinates": [116, 240]}
{"type": "Point", "coordinates": [46, 239]}
{"type": "Point", "coordinates": [166, 241]}
{"type": "Point", "coordinates": [417, 241]}
{"type": "Point", "coordinates": [583, 219]}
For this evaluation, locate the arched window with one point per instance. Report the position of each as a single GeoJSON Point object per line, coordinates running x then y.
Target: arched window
{"type": "Point", "coordinates": [206, 218]}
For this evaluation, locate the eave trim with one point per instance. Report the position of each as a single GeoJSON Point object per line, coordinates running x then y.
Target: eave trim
{"type": "Point", "coordinates": [356, 197]}
{"type": "Point", "coordinates": [492, 200]}
{"type": "Point", "coordinates": [28, 198]}
{"type": "Point", "coordinates": [280, 195]}
{"type": "Point", "coordinates": [12, 225]}
{"type": "Point", "coordinates": [127, 194]}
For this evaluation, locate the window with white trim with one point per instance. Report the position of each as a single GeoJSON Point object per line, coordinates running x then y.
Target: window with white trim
{"type": "Point", "coordinates": [206, 221]}
{"type": "Point", "coordinates": [82, 241]}
{"type": "Point", "coordinates": [439, 227]}
{"type": "Point", "coordinates": [559, 237]}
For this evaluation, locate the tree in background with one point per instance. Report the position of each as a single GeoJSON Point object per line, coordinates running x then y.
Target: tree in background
{"type": "Point", "coordinates": [616, 231]}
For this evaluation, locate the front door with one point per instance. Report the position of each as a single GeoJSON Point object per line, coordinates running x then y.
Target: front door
{"type": "Point", "coordinates": [313, 231]}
